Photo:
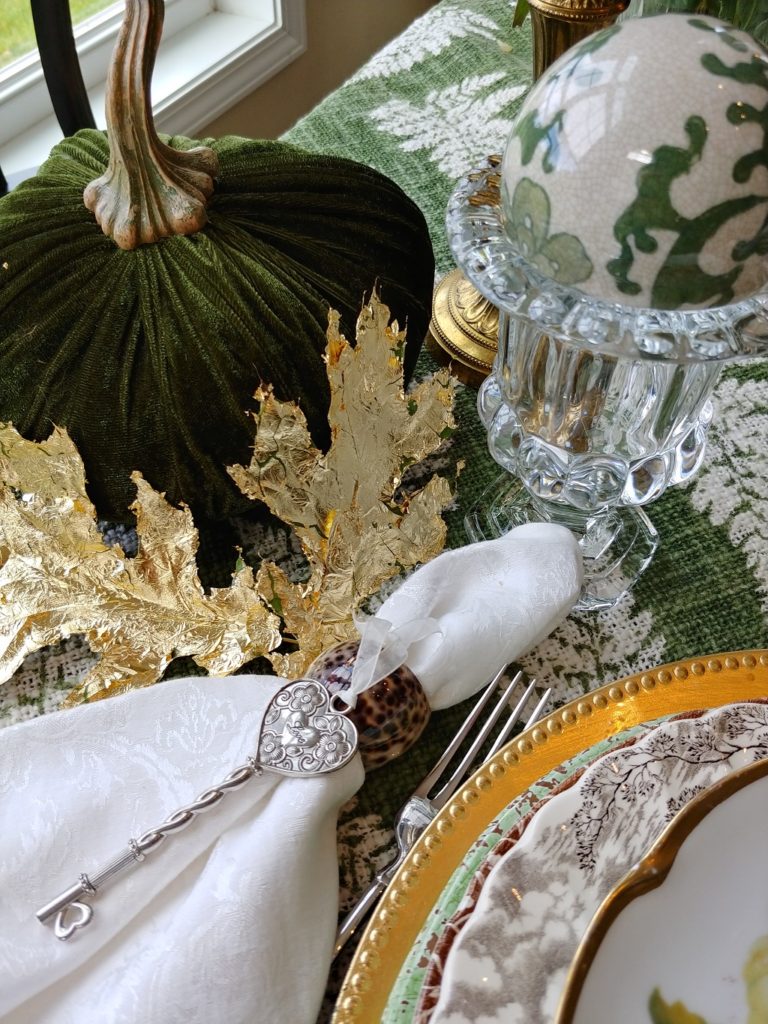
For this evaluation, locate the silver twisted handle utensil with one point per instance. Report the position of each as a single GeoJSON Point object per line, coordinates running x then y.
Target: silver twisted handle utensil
{"type": "Point", "coordinates": [67, 909]}
{"type": "Point", "coordinates": [419, 810]}
{"type": "Point", "coordinates": [303, 733]}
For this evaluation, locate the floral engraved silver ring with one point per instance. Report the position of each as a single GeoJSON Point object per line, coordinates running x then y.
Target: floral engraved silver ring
{"type": "Point", "coordinates": [301, 735]}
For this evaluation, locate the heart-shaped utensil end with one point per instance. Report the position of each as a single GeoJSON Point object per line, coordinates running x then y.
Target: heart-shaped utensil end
{"type": "Point", "coordinates": [71, 919]}
{"type": "Point", "coordinates": [302, 734]}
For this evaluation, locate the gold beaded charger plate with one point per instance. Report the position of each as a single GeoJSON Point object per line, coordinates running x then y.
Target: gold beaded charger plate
{"type": "Point", "coordinates": [689, 685]}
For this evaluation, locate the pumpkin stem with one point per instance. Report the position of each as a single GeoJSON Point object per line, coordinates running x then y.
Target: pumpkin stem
{"type": "Point", "coordinates": [149, 190]}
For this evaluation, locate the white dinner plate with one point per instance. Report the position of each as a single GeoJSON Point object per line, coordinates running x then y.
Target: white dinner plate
{"type": "Point", "coordinates": [510, 963]}
{"type": "Point", "coordinates": [683, 938]}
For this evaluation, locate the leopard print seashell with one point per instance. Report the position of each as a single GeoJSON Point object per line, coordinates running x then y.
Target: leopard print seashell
{"type": "Point", "coordinates": [389, 716]}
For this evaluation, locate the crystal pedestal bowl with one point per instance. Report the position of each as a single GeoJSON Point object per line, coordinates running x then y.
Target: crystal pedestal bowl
{"type": "Point", "coordinates": [593, 407]}
{"type": "Point", "coordinates": [623, 239]}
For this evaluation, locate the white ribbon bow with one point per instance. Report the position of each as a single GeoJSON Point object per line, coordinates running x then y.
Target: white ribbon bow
{"type": "Point", "coordinates": [383, 648]}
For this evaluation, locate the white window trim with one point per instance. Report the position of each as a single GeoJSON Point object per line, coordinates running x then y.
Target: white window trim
{"type": "Point", "coordinates": [206, 64]}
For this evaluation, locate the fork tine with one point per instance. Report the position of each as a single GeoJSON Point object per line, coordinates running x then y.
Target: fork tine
{"type": "Point", "coordinates": [514, 718]}
{"type": "Point", "coordinates": [512, 721]}
{"type": "Point", "coordinates": [429, 780]}
{"type": "Point", "coordinates": [450, 786]}
{"type": "Point", "coordinates": [537, 712]}
{"type": "Point", "coordinates": [409, 826]}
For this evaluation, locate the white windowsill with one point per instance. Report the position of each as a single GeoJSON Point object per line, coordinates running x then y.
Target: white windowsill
{"type": "Point", "coordinates": [200, 72]}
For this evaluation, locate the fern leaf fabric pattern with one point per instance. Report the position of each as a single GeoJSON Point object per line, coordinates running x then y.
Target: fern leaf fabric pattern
{"type": "Point", "coordinates": [456, 125]}
{"type": "Point", "coordinates": [604, 645]}
{"type": "Point", "coordinates": [732, 487]}
{"type": "Point", "coordinates": [427, 38]}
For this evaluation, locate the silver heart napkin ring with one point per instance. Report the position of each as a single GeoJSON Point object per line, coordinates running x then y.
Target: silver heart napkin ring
{"type": "Point", "coordinates": [303, 733]}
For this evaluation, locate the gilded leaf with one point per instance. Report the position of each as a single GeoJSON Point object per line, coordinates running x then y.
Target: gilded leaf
{"type": "Point", "coordinates": [356, 525]}
{"type": "Point", "coordinates": [59, 578]}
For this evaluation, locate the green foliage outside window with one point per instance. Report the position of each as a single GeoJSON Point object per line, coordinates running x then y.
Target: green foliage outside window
{"type": "Point", "coordinates": [17, 34]}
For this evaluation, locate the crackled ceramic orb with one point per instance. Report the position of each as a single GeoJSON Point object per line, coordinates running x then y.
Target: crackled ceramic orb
{"type": "Point", "coordinates": [637, 168]}
{"type": "Point", "coordinates": [390, 716]}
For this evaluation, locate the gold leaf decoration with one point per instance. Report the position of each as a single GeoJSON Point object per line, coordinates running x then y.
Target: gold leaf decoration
{"type": "Point", "coordinates": [355, 525]}
{"type": "Point", "coordinates": [59, 578]}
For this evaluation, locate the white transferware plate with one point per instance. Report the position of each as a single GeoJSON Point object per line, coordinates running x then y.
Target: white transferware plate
{"type": "Point", "coordinates": [416, 992]}
{"type": "Point", "coordinates": [510, 963]}
{"type": "Point", "coordinates": [684, 936]}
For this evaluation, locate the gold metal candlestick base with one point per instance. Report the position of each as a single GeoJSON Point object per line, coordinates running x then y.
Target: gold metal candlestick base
{"type": "Point", "coordinates": [464, 326]}
{"type": "Point", "coordinates": [560, 24]}
{"type": "Point", "coordinates": [464, 329]}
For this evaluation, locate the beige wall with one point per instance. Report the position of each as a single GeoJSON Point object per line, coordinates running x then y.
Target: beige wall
{"type": "Point", "coordinates": [341, 35]}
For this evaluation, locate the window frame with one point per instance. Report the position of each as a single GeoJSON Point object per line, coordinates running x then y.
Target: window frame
{"type": "Point", "coordinates": [227, 48]}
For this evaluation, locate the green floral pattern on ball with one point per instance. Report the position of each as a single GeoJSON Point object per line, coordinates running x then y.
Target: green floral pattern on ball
{"type": "Point", "coordinates": [651, 141]}
{"type": "Point", "coordinates": [529, 129]}
{"type": "Point", "coordinates": [560, 256]}
{"type": "Point", "coordinates": [531, 133]}
{"type": "Point", "coordinates": [681, 277]}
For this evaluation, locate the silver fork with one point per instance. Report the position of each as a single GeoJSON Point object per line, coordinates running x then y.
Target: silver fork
{"type": "Point", "coordinates": [419, 810]}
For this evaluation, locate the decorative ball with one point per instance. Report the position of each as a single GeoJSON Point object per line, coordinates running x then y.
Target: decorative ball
{"type": "Point", "coordinates": [389, 716]}
{"type": "Point", "coordinates": [637, 168]}
{"type": "Point", "coordinates": [150, 357]}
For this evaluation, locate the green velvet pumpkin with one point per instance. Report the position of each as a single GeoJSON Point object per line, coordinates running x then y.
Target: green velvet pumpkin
{"type": "Point", "coordinates": [150, 357]}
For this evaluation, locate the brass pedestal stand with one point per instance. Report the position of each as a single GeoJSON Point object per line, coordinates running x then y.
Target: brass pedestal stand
{"type": "Point", "coordinates": [560, 24]}
{"type": "Point", "coordinates": [464, 326]}
{"type": "Point", "coordinates": [464, 329]}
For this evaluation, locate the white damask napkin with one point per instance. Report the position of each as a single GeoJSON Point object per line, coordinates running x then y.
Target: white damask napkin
{"type": "Point", "coordinates": [476, 609]}
{"type": "Point", "coordinates": [233, 919]}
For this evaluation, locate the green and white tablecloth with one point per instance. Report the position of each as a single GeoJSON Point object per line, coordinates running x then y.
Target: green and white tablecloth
{"type": "Point", "coordinates": [425, 110]}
